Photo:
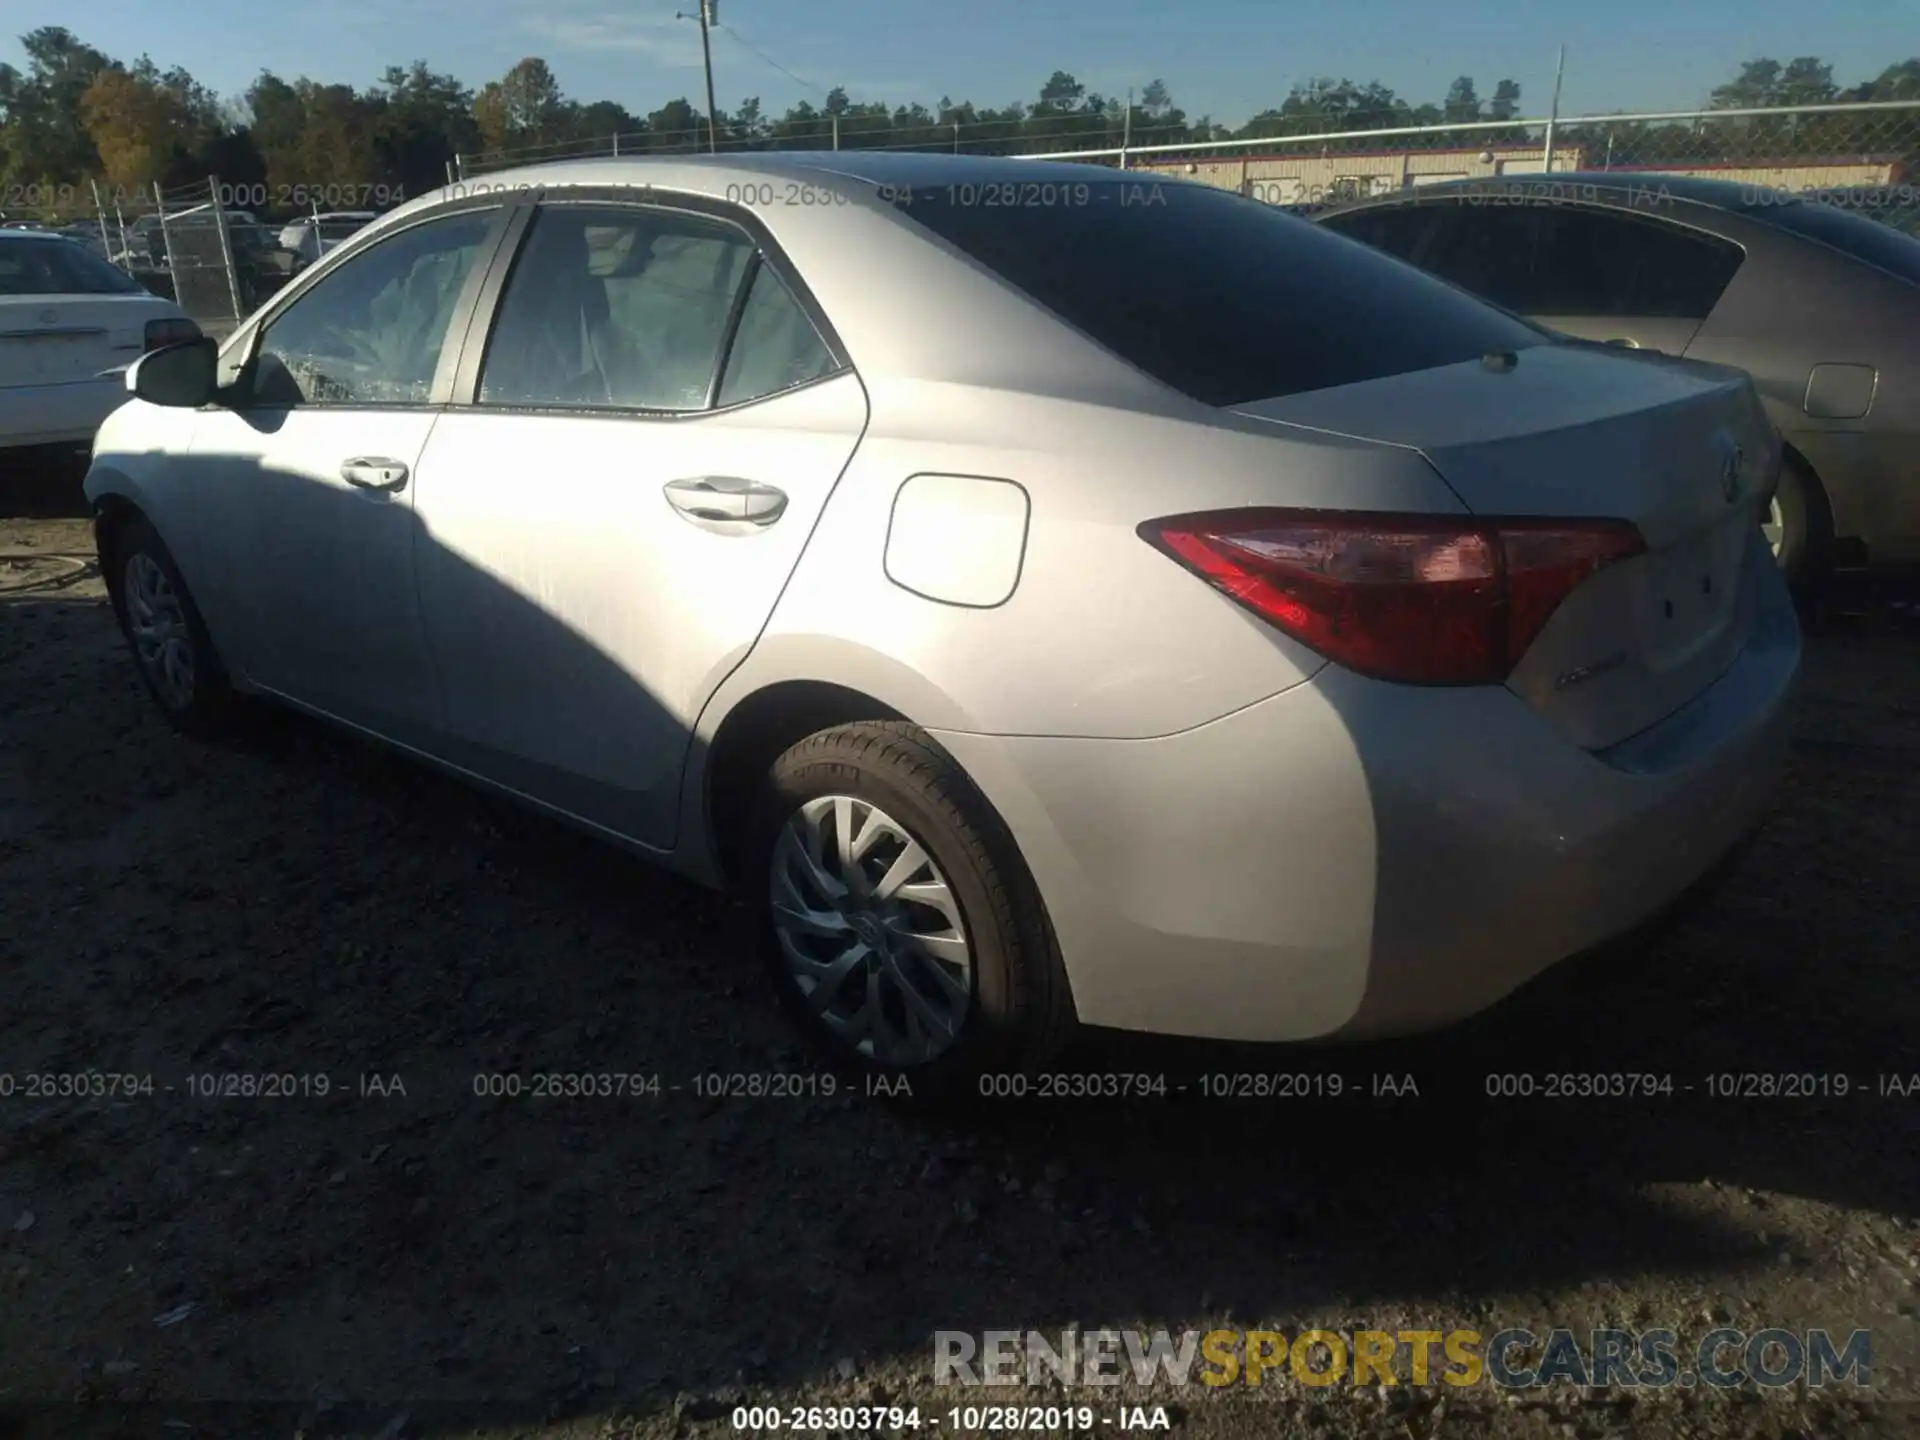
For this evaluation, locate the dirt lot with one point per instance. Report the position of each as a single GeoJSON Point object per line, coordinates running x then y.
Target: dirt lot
{"type": "Point", "coordinates": [433, 1263]}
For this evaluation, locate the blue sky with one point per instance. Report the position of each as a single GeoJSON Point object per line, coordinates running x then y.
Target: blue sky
{"type": "Point", "coordinates": [1230, 58]}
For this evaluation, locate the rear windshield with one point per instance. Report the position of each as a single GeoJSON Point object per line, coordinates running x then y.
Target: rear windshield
{"type": "Point", "coordinates": [1225, 299]}
{"type": "Point", "coordinates": [1850, 231]}
{"type": "Point", "coordinates": [58, 267]}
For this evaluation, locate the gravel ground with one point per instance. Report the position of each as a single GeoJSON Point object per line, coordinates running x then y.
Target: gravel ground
{"type": "Point", "coordinates": [433, 1263]}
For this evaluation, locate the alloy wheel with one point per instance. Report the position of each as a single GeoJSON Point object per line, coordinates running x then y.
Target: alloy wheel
{"type": "Point", "coordinates": [870, 931]}
{"type": "Point", "coordinates": [157, 620]}
{"type": "Point", "coordinates": [1774, 527]}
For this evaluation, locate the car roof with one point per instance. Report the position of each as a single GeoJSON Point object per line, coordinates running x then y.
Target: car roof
{"type": "Point", "coordinates": [879, 167]}
{"type": "Point", "coordinates": [1698, 190]}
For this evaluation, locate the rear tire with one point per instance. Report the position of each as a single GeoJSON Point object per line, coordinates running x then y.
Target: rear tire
{"type": "Point", "coordinates": [1799, 528]}
{"type": "Point", "coordinates": [169, 642]}
{"type": "Point", "coordinates": [901, 925]}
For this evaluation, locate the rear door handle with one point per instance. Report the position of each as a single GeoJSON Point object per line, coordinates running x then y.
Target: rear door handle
{"type": "Point", "coordinates": [368, 473]}
{"type": "Point", "coordinates": [725, 499]}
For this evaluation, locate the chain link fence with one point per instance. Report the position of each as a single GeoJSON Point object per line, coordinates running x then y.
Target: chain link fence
{"type": "Point", "coordinates": [185, 243]}
{"type": "Point", "coordinates": [219, 261]}
{"type": "Point", "coordinates": [1865, 154]}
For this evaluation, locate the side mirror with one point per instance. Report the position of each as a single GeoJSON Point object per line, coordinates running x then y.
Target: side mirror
{"type": "Point", "coordinates": [179, 376]}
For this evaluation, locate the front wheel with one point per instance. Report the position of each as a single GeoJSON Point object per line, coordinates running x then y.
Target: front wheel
{"type": "Point", "coordinates": [900, 922]}
{"type": "Point", "coordinates": [169, 641]}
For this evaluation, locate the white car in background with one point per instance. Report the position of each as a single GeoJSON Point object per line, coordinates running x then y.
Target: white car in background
{"type": "Point", "coordinates": [313, 237]}
{"type": "Point", "coordinates": [70, 324]}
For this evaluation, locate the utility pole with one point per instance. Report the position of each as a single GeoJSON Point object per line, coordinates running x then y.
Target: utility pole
{"type": "Point", "coordinates": [709, 15]}
{"type": "Point", "coordinates": [1126, 128]}
{"type": "Point", "coordinates": [1559, 71]}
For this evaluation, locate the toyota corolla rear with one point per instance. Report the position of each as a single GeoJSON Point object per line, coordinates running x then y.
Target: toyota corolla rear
{"type": "Point", "coordinates": [1531, 703]}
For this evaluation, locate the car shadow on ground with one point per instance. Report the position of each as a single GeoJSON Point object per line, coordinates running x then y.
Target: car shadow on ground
{"type": "Point", "coordinates": [307, 904]}
{"type": "Point", "coordinates": [43, 483]}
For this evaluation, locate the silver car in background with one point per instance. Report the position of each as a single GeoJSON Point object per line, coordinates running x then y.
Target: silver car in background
{"type": "Point", "coordinates": [1818, 302]}
{"type": "Point", "coordinates": [1051, 597]}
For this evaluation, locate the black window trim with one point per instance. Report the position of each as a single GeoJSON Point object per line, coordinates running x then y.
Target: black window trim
{"type": "Point", "coordinates": [244, 344]}
{"type": "Point", "coordinates": [765, 252]}
{"type": "Point", "coordinates": [723, 357]}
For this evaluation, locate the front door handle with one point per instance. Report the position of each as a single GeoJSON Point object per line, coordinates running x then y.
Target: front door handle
{"type": "Point", "coordinates": [725, 499]}
{"type": "Point", "coordinates": [365, 473]}
{"type": "Point", "coordinates": [1624, 342]}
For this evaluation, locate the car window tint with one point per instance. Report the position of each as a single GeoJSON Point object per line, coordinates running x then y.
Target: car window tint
{"type": "Point", "coordinates": [1488, 249]}
{"type": "Point", "coordinates": [371, 332]}
{"type": "Point", "coordinates": [1224, 298]}
{"type": "Point", "coordinates": [1590, 262]}
{"type": "Point", "coordinates": [615, 308]}
{"type": "Point", "coordinates": [1396, 229]}
{"type": "Point", "coordinates": [1559, 259]}
{"type": "Point", "coordinates": [58, 267]}
{"type": "Point", "coordinates": [776, 346]}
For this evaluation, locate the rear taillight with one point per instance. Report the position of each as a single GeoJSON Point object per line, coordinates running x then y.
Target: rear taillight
{"type": "Point", "coordinates": [161, 333]}
{"type": "Point", "coordinates": [1421, 599]}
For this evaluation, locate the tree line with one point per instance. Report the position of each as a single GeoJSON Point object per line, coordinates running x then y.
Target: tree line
{"type": "Point", "coordinates": [76, 114]}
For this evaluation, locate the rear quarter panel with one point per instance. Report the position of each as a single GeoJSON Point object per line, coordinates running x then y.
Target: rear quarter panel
{"type": "Point", "coordinates": [1103, 636]}
{"type": "Point", "coordinates": [1795, 305]}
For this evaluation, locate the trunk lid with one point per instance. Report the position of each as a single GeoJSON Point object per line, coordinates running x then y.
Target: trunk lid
{"type": "Point", "coordinates": [1681, 449]}
{"type": "Point", "coordinates": [64, 339]}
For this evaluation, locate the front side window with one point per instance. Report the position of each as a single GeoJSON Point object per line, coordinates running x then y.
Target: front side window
{"type": "Point", "coordinates": [58, 267]}
{"type": "Point", "coordinates": [371, 332]}
{"type": "Point", "coordinates": [611, 307]}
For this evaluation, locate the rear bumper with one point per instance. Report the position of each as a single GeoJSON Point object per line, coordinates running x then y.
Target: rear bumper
{"type": "Point", "coordinates": [1352, 858]}
{"type": "Point", "coordinates": [52, 414]}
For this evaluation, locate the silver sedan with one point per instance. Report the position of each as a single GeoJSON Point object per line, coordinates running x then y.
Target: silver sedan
{"type": "Point", "coordinates": [1051, 596]}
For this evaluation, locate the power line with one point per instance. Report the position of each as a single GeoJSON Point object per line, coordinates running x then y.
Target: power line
{"type": "Point", "coordinates": [754, 50]}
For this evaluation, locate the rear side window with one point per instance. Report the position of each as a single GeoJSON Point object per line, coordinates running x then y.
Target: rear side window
{"type": "Point", "coordinates": [615, 308]}
{"type": "Point", "coordinates": [1560, 259]}
{"type": "Point", "coordinates": [1225, 299]}
{"type": "Point", "coordinates": [1591, 262]}
{"type": "Point", "coordinates": [775, 346]}
{"type": "Point", "coordinates": [1850, 232]}
{"type": "Point", "coordinates": [58, 267]}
